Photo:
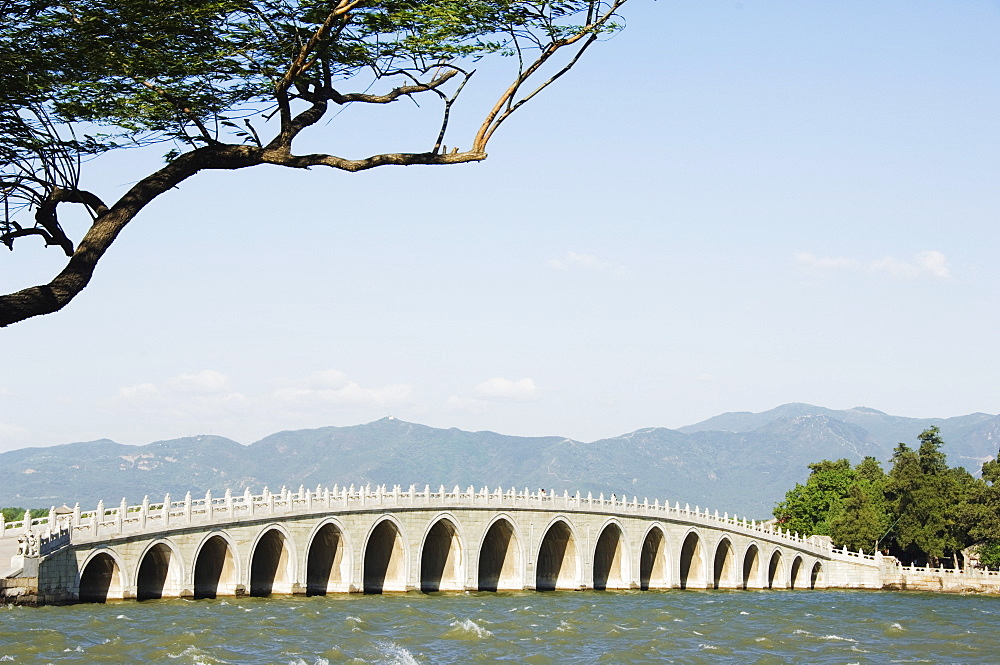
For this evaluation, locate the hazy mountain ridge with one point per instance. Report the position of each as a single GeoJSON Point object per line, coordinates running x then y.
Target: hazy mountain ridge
{"type": "Point", "coordinates": [734, 462]}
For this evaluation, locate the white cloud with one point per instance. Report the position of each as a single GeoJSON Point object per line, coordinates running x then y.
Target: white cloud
{"type": "Point", "coordinates": [931, 263]}
{"type": "Point", "coordinates": [582, 262]}
{"type": "Point", "coordinates": [205, 382]}
{"type": "Point", "coordinates": [204, 392]}
{"type": "Point", "coordinates": [501, 388]}
{"type": "Point", "coordinates": [334, 387]}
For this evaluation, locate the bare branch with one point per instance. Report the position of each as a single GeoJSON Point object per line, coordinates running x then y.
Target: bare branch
{"type": "Point", "coordinates": [447, 111]}
{"type": "Point", "coordinates": [386, 159]}
{"type": "Point", "coordinates": [392, 95]}
{"type": "Point", "coordinates": [498, 113]}
{"type": "Point", "coordinates": [511, 108]}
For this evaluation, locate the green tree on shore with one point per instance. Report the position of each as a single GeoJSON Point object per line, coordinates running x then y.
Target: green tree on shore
{"type": "Point", "coordinates": [865, 517]}
{"type": "Point", "coordinates": [922, 511]}
{"type": "Point", "coordinates": [810, 508]}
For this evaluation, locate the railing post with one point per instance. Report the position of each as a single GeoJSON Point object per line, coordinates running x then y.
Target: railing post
{"type": "Point", "coordinates": [229, 504]}
{"type": "Point", "coordinates": [209, 509]}
{"type": "Point", "coordinates": [144, 512]}
{"type": "Point", "coordinates": [166, 509]}
{"type": "Point", "coordinates": [187, 508]}
{"type": "Point", "coordinates": [3, 525]}
{"type": "Point", "coordinates": [98, 516]}
{"type": "Point", "coordinates": [120, 520]}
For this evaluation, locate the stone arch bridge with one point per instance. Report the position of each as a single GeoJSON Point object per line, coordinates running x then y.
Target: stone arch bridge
{"type": "Point", "coordinates": [375, 540]}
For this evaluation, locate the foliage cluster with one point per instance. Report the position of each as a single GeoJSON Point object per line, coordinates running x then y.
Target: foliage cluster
{"type": "Point", "coordinates": [12, 514]}
{"type": "Point", "coordinates": [232, 84]}
{"type": "Point", "coordinates": [922, 511]}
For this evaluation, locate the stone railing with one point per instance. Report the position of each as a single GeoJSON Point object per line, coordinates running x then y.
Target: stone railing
{"type": "Point", "coordinates": [105, 522]}
{"type": "Point", "coordinates": [16, 528]}
{"type": "Point", "coordinates": [927, 570]}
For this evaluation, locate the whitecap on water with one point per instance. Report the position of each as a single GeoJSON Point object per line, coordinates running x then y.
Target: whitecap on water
{"type": "Point", "coordinates": [122, 616]}
{"type": "Point", "coordinates": [799, 631]}
{"type": "Point", "coordinates": [897, 626]}
{"type": "Point", "coordinates": [471, 627]}
{"type": "Point", "coordinates": [78, 649]}
{"type": "Point", "coordinates": [396, 655]}
{"type": "Point", "coordinates": [707, 647]}
{"type": "Point", "coordinates": [745, 613]}
{"type": "Point", "coordinates": [6, 658]}
{"type": "Point", "coordinates": [838, 638]}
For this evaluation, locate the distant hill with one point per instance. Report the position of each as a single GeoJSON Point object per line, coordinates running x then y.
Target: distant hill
{"type": "Point", "coordinates": [735, 462]}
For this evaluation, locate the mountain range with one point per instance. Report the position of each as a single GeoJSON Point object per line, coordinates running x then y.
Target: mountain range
{"type": "Point", "coordinates": [738, 462]}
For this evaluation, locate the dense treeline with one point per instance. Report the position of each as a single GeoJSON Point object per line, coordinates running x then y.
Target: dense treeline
{"type": "Point", "coordinates": [14, 514]}
{"type": "Point", "coordinates": [922, 511]}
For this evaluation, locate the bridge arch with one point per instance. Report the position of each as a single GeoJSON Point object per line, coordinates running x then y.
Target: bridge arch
{"type": "Point", "coordinates": [160, 572]}
{"type": "Point", "coordinates": [724, 571]}
{"type": "Point", "coordinates": [776, 578]}
{"type": "Point", "coordinates": [442, 555]}
{"type": "Point", "coordinates": [272, 561]}
{"type": "Point", "coordinates": [693, 562]}
{"type": "Point", "coordinates": [798, 577]}
{"type": "Point", "coordinates": [752, 568]}
{"type": "Point", "coordinates": [612, 567]}
{"type": "Point", "coordinates": [558, 564]}
{"type": "Point", "coordinates": [816, 580]}
{"type": "Point", "coordinates": [102, 577]}
{"type": "Point", "coordinates": [216, 569]}
{"type": "Point", "coordinates": [386, 558]}
{"type": "Point", "coordinates": [654, 559]}
{"type": "Point", "coordinates": [328, 559]}
{"type": "Point", "coordinates": [501, 556]}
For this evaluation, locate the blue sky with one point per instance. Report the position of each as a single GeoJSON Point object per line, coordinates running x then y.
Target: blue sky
{"type": "Point", "coordinates": [729, 206]}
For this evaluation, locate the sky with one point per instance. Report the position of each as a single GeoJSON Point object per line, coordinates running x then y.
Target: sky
{"type": "Point", "coordinates": [726, 207]}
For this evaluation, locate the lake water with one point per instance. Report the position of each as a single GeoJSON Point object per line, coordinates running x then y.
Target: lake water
{"type": "Point", "coordinates": [525, 627]}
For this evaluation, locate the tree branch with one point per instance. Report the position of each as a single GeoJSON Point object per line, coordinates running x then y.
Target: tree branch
{"type": "Point", "coordinates": [392, 95]}
{"type": "Point", "coordinates": [52, 297]}
{"type": "Point", "coordinates": [386, 159]}
{"type": "Point", "coordinates": [491, 121]}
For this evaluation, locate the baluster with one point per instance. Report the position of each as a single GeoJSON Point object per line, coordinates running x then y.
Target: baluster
{"type": "Point", "coordinates": [229, 503]}
{"type": "Point", "coordinates": [144, 513]}
{"type": "Point", "coordinates": [187, 508]}
{"type": "Point", "coordinates": [98, 516]}
{"type": "Point", "coordinates": [120, 517]}
{"type": "Point", "coordinates": [209, 509]}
